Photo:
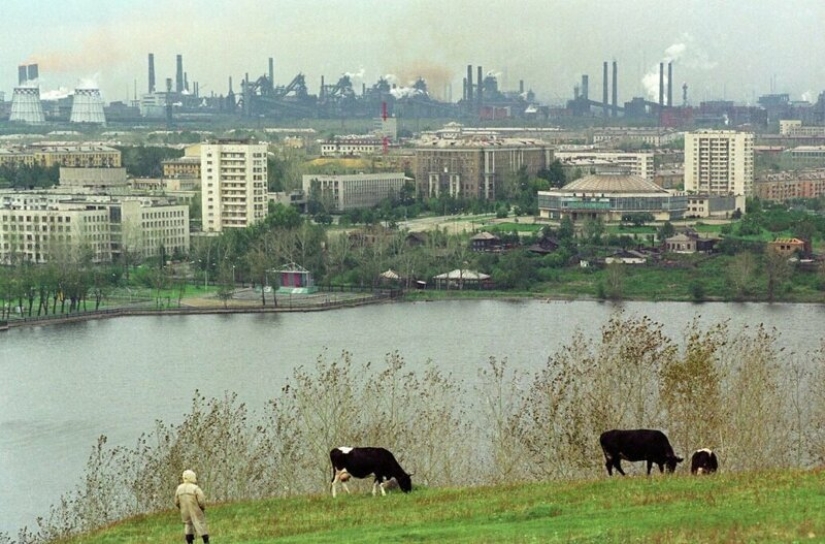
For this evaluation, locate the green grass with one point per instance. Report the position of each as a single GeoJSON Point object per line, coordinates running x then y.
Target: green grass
{"type": "Point", "coordinates": [776, 506]}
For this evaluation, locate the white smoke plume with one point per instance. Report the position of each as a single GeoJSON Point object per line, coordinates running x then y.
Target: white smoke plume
{"type": "Point", "coordinates": [685, 54]}
{"type": "Point", "coordinates": [404, 92]}
{"type": "Point", "coordinates": [356, 75]}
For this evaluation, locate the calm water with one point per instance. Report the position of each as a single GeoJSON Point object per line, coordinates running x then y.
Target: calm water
{"type": "Point", "coordinates": [63, 386]}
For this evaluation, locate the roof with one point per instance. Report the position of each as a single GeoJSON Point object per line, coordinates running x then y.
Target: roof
{"type": "Point", "coordinates": [461, 274]}
{"type": "Point", "coordinates": [613, 183]}
{"type": "Point", "coordinates": [484, 235]}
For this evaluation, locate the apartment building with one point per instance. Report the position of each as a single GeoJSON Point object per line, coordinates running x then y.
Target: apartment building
{"type": "Point", "coordinates": [233, 184]}
{"type": "Point", "coordinates": [39, 227]}
{"type": "Point", "coordinates": [348, 192]}
{"type": "Point", "coordinates": [188, 166]}
{"type": "Point", "coordinates": [783, 186]}
{"type": "Point", "coordinates": [48, 155]}
{"type": "Point", "coordinates": [475, 167]}
{"type": "Point", "coordinates": [719, 162]}
{"type": "Point", "coordinates": [637, 164]}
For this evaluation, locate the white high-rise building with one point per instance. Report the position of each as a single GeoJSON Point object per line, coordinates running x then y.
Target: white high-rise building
{"type": "Point", "coordinates": [233, 184]}
{"type": "Point", "coordinates": [719, 162]}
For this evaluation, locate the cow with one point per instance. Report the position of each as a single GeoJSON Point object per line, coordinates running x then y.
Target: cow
{"type": "Point", "coordinates": [361, 462]}
{"type": "Point", "coordinates": [703, 461]}
{"type": "Point", "coordinates": [637, 445]}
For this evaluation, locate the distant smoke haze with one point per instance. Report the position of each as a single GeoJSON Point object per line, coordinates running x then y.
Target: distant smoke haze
{"type": "Point", "coordinates": [545, 43]}
{"type": "Point", "coordinates": [436, 77]}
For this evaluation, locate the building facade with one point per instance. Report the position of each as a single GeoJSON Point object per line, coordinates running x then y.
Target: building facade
{"type": "Point", "coordinates": [783, 186]}
{"type": "Point", "coordinates": [76, 156]}
{"type": "Point", "coordinates": [609, 197]}
{"type": "Point", "coordinates": [39, 227]}
{"type": "Point", "coordinates": [233, 184]}
{"type": "Point", "coordinates": [638, 164]}
{"type": "Point", "coordinates": [188, 166]}
{"type": "Point", "coordinates": [475, 168]}
{"type": "Point", "coordinates": [719, 162]}
{"type": "Point", "coordinates": [348, 192]}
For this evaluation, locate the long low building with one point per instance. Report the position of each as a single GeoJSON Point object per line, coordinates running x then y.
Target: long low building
{"type": "Point", "coordinates": [48, 155]}
{"type": "Point", "coordinates": [609, 197]}
{"type": "Point", "coordinates": [352, 191]}
{"type": "Point", "coordinates": [39, 227]}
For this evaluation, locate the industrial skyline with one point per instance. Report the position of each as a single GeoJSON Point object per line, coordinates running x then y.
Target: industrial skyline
{"type": "Point", "coordinates": [723, 50]}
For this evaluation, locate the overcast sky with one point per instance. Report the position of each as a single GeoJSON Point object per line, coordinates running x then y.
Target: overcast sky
{"type": "Point", "coordinates": [722, 49]}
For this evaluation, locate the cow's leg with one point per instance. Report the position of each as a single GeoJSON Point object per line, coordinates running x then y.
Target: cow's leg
{"type": "Point", "coordinates": [375, 486]}
{"type": "Point", "coordinates": [336, 478]}
{"type": "Point", "coordinates": [383, 491]}
{"type": "Point", "coordinates": [618, 464]}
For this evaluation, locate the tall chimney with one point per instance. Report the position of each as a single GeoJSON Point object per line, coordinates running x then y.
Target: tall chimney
{"type": "Point", "coordinates": [661, 85]}
{"type": "Point", "coordinates": [151, 72]}
{"type": "Point", "coordinates": [615, 90]}
{"type": "Point", "coordinates": [33, 74]}
{"type": "Point", "coordinates": [520, 86]}
{"type": "Point", "coordinates": [670, 84]}
{"type": "Point", "coordinates": [179, 74]}
{"type": "Point", "coordinates": [469, 83]}
{"type": "Point", "coordinates": [480, 87]}
{"type": "Point", "coordinates": [606, 86]}
{"type": "Point", "coordinates": [272, 72]}
{"type": "Point", "coordinates": [585, 86]}
{"type": "Point", "coordinates": [21, 75]}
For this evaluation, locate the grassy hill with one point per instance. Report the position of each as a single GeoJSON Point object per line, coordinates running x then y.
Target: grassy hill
{"type": "Point", "coordinates": [771, 506]}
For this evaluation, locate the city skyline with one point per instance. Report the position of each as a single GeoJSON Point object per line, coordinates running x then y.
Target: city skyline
{"type": "Point", "coordinates": [722, 50]}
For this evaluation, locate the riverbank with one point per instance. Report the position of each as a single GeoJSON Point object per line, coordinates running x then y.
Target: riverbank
{"type": "Point", "coordinates": [243, 300]}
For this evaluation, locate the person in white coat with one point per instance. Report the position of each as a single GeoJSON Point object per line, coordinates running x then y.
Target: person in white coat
{"type": "Point", "coordinates": [191, 501]}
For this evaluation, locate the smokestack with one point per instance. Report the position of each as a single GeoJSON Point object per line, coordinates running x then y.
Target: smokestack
{"type": "Point", "coordinates": [480, 87]}
{"type": "Point", "coordinates": [585, 87]}
{"type": "Point", "coordinates": [661, 85]}
{"type": "Point", "coordinates": [670, 84]}
{"type": "Point", "coordinates": [179, 74]}
{"type": "Point", "coordinates": [520, 86]}
{"type": "Point", "coordinates": [606, 86]}
{"type": "Point", "coordinates": [186, 81]}
{"type": "Point", "coordinates": [151, 72]}
{"type": "Point", "coordinates": [272, 72]}
{"type": "Point", "coordinates": [32, 72]}
{"type": "Point", "coordinates": [615, 90]}
{"type": "Point", "coordinates": [21, 75]}
{"type": "Point", "coordinates": [469, 83]}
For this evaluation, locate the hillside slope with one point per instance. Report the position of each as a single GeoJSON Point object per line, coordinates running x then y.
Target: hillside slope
{"type": "Point", "coordinates": [782, 506]}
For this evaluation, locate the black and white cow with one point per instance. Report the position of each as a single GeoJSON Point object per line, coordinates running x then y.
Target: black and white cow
{"type": "Point", "coordinates": [637, 445]}
{"type": "Point", "coordinates": [361, 462]}
{"type": "Point", "coordinates": [703, 462]}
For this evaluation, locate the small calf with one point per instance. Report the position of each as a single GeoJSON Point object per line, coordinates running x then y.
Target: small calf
{"type": "Point", "coordinates": [703, 461]}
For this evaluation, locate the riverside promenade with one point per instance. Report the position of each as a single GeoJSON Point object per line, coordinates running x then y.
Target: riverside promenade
{"type": "Point", "coordinates": [243, 300]}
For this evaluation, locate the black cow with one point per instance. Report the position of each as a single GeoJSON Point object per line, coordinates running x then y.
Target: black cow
{"type": "Point", "coordinates": [361, 462]}
{"type": "Point", "coordinates": [703, 462]}
{"type": "Point", "coordinates": [637, 445]}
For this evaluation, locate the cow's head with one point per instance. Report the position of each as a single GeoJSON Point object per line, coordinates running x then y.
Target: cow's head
{"type": "Point", "coordinates": [672, 461]}
{"type": "Point", "coordinates": [404, 482]}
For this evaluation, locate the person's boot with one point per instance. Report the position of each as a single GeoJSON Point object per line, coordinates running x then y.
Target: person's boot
{"type": "Point", "coordinates": [205, 539]}
{"type": "Point", "coordinates": [190, 539]}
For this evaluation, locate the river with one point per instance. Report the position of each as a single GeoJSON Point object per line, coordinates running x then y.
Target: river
{"type": "Point", "coordinates": [64, 385]}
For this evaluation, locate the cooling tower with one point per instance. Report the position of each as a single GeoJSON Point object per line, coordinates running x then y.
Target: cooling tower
{"type": "Point", "coordinates": [87, 107]}
{"type": "Point", "coordinates": [26, 106]}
